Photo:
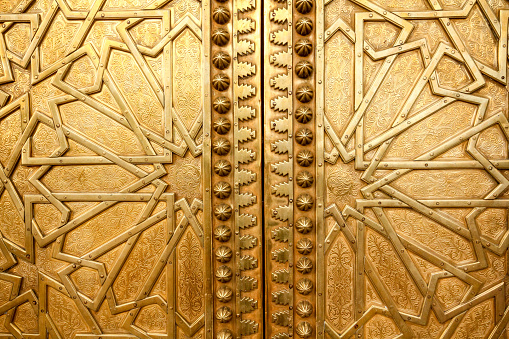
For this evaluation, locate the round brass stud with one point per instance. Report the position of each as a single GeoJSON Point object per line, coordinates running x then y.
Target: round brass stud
{"type": "Point", "coordinates": [304, 246]}
{"type": "Point", "coordinates": [304, 329]}
{"type": "Point", "coordinates": [223, 212]}
{"type": "Point", "coordinates": [303, 47]}
{"type": "Point", "coordinates": [304, 265]}
{"type": "Point", "coordinates": [305, 158]}
{"type": "Point", "coordinates": [304, 26]}
{"type": "Point", "coordinates": [304, 286]}
{"type": "Point", "coordinates": [220, 37]}
{"type": "Point", "coordinates": [224, 294]}
{"type": "Point", "coordinates": [222, 168]}
{"type": "Point", "coordinates": [222, 233]}
{"type": "Point", "coordinates": [222, 190]}
{"type": "Point", "coordinates": [304, 179]}
{"type": "Point", "coordinates": [221, 105]}
{"type": "Point", "coordinates": [303, 69]}
{"type": "Point", "coordinates": [220, 82]}
{"type": "Point", "coordinates": [224, 334]}
{"type": "Point", "coordinates": [304, 6]}
{"type": "Point", "coordinates": [224, 274]}
{"type": "Point", "coordinates": [304, 225]}
{"type": "Point", "coordinates": [224, 314]}
{"type": "Point", "coordinates": [304, 308]}
{"type": "Point", "coordinates": [221, 60]}
{"type": "Point", "coordinates": [224, 254]}
{"type": "Point", "coordinates": [304, 94]}
{"type": "Point", "coordinates": [221, 146]}
{"type": "Point", "coordinates": [304, 136]}
{"type": "Point", "coordinates": [304, 202]}
{"type": "Point", "coordinates": [222, 125]}
{"type": "Point", "coordinates": [303, 114]}
{"type": "Point", "coordinates": [221, 15]}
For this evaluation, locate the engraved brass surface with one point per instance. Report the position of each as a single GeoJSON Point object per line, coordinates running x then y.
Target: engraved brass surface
{"type": "Point", "coordinates": [101, 135]}
{"type": "Point", "coordinates": [413, 149]}
{"type": "Point", "coordinates": [229, 169]}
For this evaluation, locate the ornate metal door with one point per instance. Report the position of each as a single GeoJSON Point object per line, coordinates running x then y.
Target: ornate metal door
{"type": "Point", "coordinates": [257, 169]}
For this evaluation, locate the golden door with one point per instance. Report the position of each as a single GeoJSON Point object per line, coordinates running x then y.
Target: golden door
{"type": "Point", "coordinates": [226, 169]}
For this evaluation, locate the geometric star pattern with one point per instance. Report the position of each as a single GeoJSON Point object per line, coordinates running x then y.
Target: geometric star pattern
{"type": "Point", "coordinates": [141, 197]}
{"type": "Point", "coordinates": [424, 103]}
{"type": "Point", "coordinates": [93, 231]}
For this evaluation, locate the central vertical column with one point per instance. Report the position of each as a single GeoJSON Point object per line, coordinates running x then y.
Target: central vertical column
{"type": "Point", "coordinates": [248, 179]}
{"type": "Point", "coordinates": [236, 182]}
{"type": "Point", "coordinates": [292, 168]}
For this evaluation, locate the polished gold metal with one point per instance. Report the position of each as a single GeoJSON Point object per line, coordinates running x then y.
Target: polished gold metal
{"type": "Point", "coordinates": [303, 47]}
{"type": "Point", "coordinates": [222, 233]}
{"type": "Point", "coordinates": [304, 6]}
{"type": "Point", "coordinates": [222, 104]}
{"type": "Point", "coordinates": [304, 179]}
{"type": "Point", "coordinates": [221, 61]}
{"type": "Point", "coordinates": [304, 225]}
{"type": "Point", "coordinates": [304, 308]}
{"type": "Point", "coordinates": [222, 168]}
{"type": "Point", "coordinates": [221, 15]}
{"type": "Point", "coordinates": [220, 37]}
{"type": "Point", "coordinates": [303, 114]}
{"type": "Point", "coordinates": [139, 169]}
{"type": "Point", "coordinates": [304, 26]}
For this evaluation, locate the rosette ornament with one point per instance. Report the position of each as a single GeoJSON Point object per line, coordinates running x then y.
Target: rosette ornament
{"type": "Point", "coordinates": [304, 329]}
{"type": "Point", "coordinates": [304, 26]}
{"type": "Point", "coordinates": [304, 246]}
{"type": "Point", "coordinates": [222, 168]}
{"type": "Point", "coordinates": [304, 265]}
{"type": "Point", "coordinates": [304, 179]}
{"type": "Point", "coordinates": [221, 146]}
{"type": "Point", "coordinates": [305, 94]}
{"type": "Point", "coordinates": [304, 286]}
{"type": "Point", "coordinates": [303, 69]}
{"type": "Point", "coordinates": [223, 212]}
{"type": "Point", "coordinates": [220, 37]}
{"type": "Point", "coordinates": [221, 15]}
{"type": "Point", "coordinates": [304, 6]}
{"type": "Point", "coordinates": [303, 47]}
{"type": "Point", "coordinates": [224, 274]}
{"type": "Point", "coordinates": [224, 314]}
{"type": "Point", "coordinates": [304, 136]}
{"type": "Point", "coordinates": [222, 190]}
{"type": "Point", "coordinates": [224, 254]}
{"type": "Point", "coordinates": [220, 82]}
{"type": "Point", "coordinates": [303, 114]}
{"type": "Point", "coordinates": [222, 125]}
{"type": "Point", "coordinates": [224, 334]}
{"type": "Point", "coordinates": [221, 60]}
{"type": "Point", "coordinates": [221, 105]}
{"type": "Point", "coordinates": [222, 233]}
{"type": "Point", "coordinates": [224, 294]}
{"type": "Point", "coordinates": [304, 225]}
{"type": "Point", "coordinates": [305, 158]}
{"type": "Point", "coordinates": [304, 308]}
{"type": "Point", "coordinates": [304, 202]}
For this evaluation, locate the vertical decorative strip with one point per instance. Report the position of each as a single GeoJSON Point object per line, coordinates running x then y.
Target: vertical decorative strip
{"type": "Point", "coordinates": [224, 260]}
{"type": "Point", "coordinates": [235, 184]}
{"type": "Point", "coordinates": [320, 169]}
{"type": "Point", "coordinates": [305, 165]}
{"type": "Point", "coordinates": [206, 172]}
{"type": "Point", "coordinates": [247, 121]}
{"type": "Point", "coordinates": [279, 168]}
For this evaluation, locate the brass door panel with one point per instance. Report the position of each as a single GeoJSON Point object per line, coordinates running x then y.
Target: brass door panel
{"type": "Point", "coordinates": [415, 178]}
{"type": "Point", "coordinates": [387, 124]}
{"type": "Point", "coordinates": [248, 168]}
